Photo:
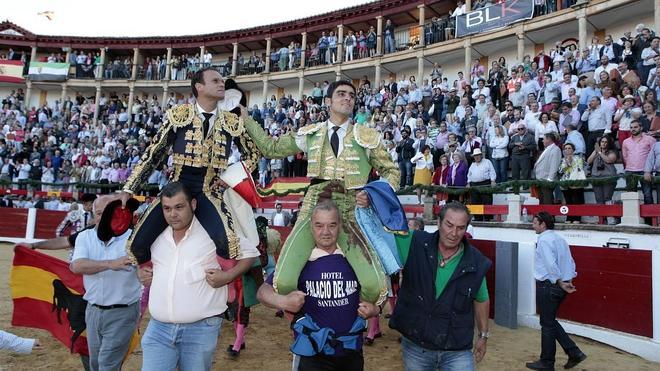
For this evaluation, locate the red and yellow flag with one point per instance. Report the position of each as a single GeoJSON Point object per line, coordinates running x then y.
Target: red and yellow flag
{"type": "Point", "coordinates": [11, 71]}
{"type": "Point", "coordinates": [31, 283]}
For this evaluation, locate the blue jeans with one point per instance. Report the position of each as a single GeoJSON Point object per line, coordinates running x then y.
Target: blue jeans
{"type": "Point", "coordinates": [501, 166]}
{"type": "Point", "coordinates": [389, 44]}
{"type": "Point", "coordinates": [405, 167]}
{"type": "Point", "coordinates": [548, 298]}
{"type": "Point", "coordinates": [647, 188]}
{"type": "Point", "coordinates": [188, 346]}
{"type": "Point", "coordinates": [416, 358]}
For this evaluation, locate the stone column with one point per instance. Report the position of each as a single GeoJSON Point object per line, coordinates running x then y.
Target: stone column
{"type": "Point", "coordinates": [264, 90]}
{"type": "Point", "coordinates": [379, 35]}
{"type": "Point", "coordinates": [420, 67]}
{"type": "Point", "coordinates": [376, 83]}
{"type": "Point", "coordinates": [340, 43]}
{"type": "Point", "coordinates": [131, 98]}
{"type": "Point", "coordinates": [337, 75]}
{"type": "Point", "coordinates": [303, 49]}
{"type": "Point", "coordinates": [33, 54]}
{"type": "Point", "coordinates": [467, 45]}
{"type": "Point", "coordinates": [234, 62]}
{"type": "Point", "coordinates": [202, 50]}
{"type": "Point", "coordinates": [166, 89]}
{"type": "Point", "coordinates": [102, 67]}
{"type": "Point", "coordinates": [168, 65]}
{"type": "Point", "coordinates": [631, 201]}
{"type": "Point", "coordinates": [468, 5]}
{"type": "Point", "coordinates": [301, 85]}
{"type": "Point", "coordinates": [97, 99]}
{"type": "Point", "coordinates": [422, 11]}
{"type": "Point", "coordinates": [581, 15]}
{"type": "Point", "coordinates": [63, 96]}
{"type": "Point", "coordinates": [268, 45]}
{"type": "Point", "coordinates": [28, 93]}
{"type": "Point", "coordinates": [656, 16]}
{"type": "Point", "coordinates": [515, 203]}
{"type": "Point", "coordinates": [521, 46]}
{"type": "Point", "coordinates": [136, 55]}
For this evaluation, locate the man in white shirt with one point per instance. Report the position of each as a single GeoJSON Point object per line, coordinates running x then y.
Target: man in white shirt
{"type": "Point", "coordinates": [481, 173]}
{"type": "Point", "coordinates": [280, 218]}
{"type": "Point", "coordinates": [188, 288]}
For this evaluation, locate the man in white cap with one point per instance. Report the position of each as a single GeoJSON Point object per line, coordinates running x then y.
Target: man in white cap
{"type": "Point", "coordinates": [480, 173]}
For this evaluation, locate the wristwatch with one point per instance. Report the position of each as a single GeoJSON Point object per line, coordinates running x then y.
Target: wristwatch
{"type": "Point", "coordinates": [484, 335]}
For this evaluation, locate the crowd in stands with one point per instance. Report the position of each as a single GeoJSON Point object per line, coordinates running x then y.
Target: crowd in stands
{"type": "Point", "coordinates": [590, 100]}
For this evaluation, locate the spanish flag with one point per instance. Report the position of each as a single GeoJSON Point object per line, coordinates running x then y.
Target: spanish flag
{"type": "Point", "coordinates": [11, 71]}
{"type": "Point", "coordinates": [31, 283]}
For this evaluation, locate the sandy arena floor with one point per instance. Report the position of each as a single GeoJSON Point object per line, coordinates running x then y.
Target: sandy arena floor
{"type": "Point", "coordinates": [268, 339]}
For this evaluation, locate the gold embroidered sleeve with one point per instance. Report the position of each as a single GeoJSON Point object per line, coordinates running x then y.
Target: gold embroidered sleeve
{"type": "Point", "coordinates": [153, 157]}
{"type": "Point", "coordinates": [380, 159]}
{"type": "Point", "coordinates": [271, 147]}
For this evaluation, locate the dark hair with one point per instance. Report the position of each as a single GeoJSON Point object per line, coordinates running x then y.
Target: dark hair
{"type": "Point", "coordinates": [570, 144]}
{"type": "Point", "coordinates": [567, 104]}
{"type": "Point", "coordinates": [610, 142]}
{"type": "Point", "coordinates": [335, 84]}
{"type": "Point", "coordinates": [551, 136]}
{"type": "Point", "coordinates": [545, 218]}
{"type": "Point", "coordinates": [424, 148]}
{"type": "Point", "coordinates": [174, 188]}
{"type": "Point", "coordinates": [544, 114]}
{"type": "Point", "coordinates": [456, 206]}
{"type": "Point", "coordinates": [198, 78]}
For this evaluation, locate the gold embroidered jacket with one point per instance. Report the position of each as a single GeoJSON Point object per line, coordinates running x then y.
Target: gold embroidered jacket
{"type": "Point", "coordinates": [182, 131]}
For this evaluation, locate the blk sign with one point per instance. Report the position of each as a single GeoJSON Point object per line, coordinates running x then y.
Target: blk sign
{"type": "Point", "coordinates": [494, 16]}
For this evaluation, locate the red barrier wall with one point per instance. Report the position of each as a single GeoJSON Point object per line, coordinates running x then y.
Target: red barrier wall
{"type": "Point", "coordinates": [47, 222]}
{"type": "Point", "coordinates": [13, 222]}
{"type": "Point", "coordinates": [613, 290]}
{"type": "Point", "coordinates": [488, 249]}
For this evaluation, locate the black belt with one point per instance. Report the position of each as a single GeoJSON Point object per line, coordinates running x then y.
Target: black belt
{"type": "Point", "coordinates": [114, 306]}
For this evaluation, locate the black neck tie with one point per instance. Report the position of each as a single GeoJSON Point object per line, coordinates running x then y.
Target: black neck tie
{"type": "Point", "coordinates": [205, 124]}
{"type": "Point", "coordinates": [334, 140]}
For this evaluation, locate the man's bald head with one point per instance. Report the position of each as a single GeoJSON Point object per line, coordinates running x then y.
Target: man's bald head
{"type": "Point", "coordinates": [99, 205]}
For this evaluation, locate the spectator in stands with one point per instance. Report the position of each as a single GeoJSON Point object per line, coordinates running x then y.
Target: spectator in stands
{"type": "Point", "coordinates": [457, 174]}
{"type": "Point", "coordinates": [388, 32]}
{"type": "Point", "coordinates": [499, 143]}
{"type": "Point", "coordinates": [572, 168]}
{"type": "Point", "coordinates": [547, 165]}
{"type": "Point", "coordinates": [423, 161]}
{"type": "Point", "coordinates": [480, 173]}
{"type": "Point", "coordinates": [280, 218]}
{"type": "Point", "coordinates": [611, 50]}
{"type": "Point", "coordinates": [405, 151]}
{"type": "Point", "coordinates": [652, 168]}
{"type": "Point", "coordinates": [635, 152]}
{"type": "Point", "coordinates": [601, 161]}
{"type": "Point", "coordinates": [599, 122]}
{"type": "Point", "coordinates": [522, 148]}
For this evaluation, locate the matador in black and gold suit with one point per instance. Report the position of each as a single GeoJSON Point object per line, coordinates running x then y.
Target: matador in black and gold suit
{"type": "Point", "coordinates": [199, 159]}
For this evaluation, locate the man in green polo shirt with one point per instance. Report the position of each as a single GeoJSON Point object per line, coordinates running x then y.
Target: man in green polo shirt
{"type": "Point", "coordinates": [443, 292]}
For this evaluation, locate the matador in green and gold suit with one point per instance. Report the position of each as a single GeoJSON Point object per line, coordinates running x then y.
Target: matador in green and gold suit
{"type": "Point", "coordinates": [333, 177]}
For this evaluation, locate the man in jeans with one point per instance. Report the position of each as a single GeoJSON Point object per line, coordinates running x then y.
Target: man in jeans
{"type": "Point", "coordinates": [406, 151]}
{"type": "Point", "coordinates": [635, 152]}
{"type": "Point", "coordinates": [188, 290]}
{"type": "Point", "coordinates": [442, 295]}
{"type": "Point", "coordinates": [554, 269]}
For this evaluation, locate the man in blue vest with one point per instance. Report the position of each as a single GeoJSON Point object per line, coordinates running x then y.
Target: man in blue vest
{"type": "Point", "coordinates": [442, 293]}
{"type": "Point", "coordinates": [329, 315]}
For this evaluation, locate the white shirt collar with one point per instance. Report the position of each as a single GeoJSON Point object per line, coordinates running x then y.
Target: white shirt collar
{"type": "Point", "coordinates": [201, 110]}
{"type": "Point", "coordinates": [343, 127]}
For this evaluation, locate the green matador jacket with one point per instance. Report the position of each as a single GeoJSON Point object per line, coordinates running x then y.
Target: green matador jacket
{"type": "Point", "coordinates": [342, 177]}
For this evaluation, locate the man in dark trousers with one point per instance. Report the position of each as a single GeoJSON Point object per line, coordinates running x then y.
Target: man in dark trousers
{"type": "Point", "coordinates": [554, 270]}
{"type": "Point", "coordinates": [442, 295]}
{"type": "Point", "coordinates": [522, 148]}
